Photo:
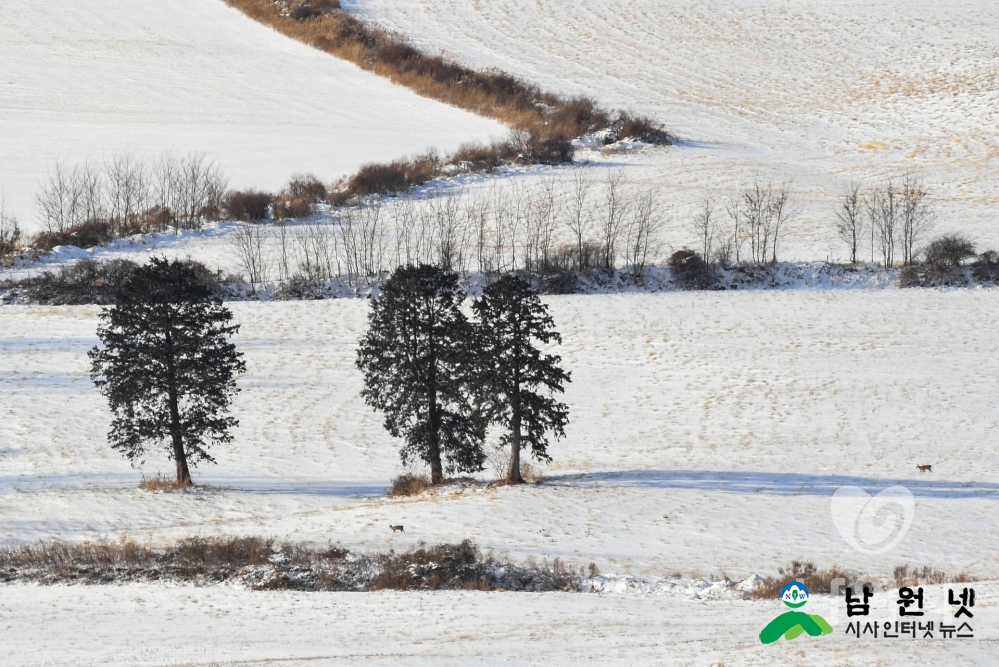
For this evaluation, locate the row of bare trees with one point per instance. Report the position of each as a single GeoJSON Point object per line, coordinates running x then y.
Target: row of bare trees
{"type": "Point", "coordinates": [130, 194]}
{"type": "Point", "coordinates": [551, 226]}
{"type": "Point", "coordinates": [758, 223]}
{"type": "Point", "coordinates": [894, 214]}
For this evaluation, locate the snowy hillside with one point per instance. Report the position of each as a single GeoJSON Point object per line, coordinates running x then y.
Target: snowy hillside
{"type": "Point", "coordinates": [822, 91]}
{"type": "Point", "coordinates": [696, 419]}
{"type": "Point", "coordinates": [80, 80]}
{"type": "Point", "coordinates": [81, 626]}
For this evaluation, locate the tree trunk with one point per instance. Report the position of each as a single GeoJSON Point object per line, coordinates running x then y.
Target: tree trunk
{"type": "Point", "coordinates": [183, 472]}
{"type": "Point", "coordinates": [434, 447]}
{"type": "Point", "coordinates": [513, 474]}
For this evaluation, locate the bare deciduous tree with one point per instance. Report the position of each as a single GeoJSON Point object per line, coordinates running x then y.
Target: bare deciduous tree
{"type": "Point", "coordinates": [615, 212]}
{"type": "Point", "coordinates": [850, 216]}
{"type": "Point", "coordinates": [283, 240]}
{"type": "Point", "coordinates": [917, 217]}
{"type": "Point", "coordinates": [643, 233]}
{"type": "Point", "coordinates": [766, 211]}
{"type": "Point", "coordinates": [127, 191]}
{"type": "Point", "coordinates": [706, 228]}
{"type": "Point", "coordinates": [883, 210]}
{"type": "Point", "coordinates": [738, 236]}
{"type": "Point", "coordinates": [578, 215]}
{"type": "Point", "coordinates": [55, 201]}
{"type": "Point", "coordinates": [544, 206]}
{"type": "Point", "coordinates": [248, 243]}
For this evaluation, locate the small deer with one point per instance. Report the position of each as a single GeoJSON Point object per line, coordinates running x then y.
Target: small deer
{"type": "Point", "coordinates": [397, 528]}
{"type": "Point", "coordinates": [926, 468]}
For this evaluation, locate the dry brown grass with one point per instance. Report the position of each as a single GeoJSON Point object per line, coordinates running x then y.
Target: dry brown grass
{"type": "Point", "coordinates": [160, 484]}
{"type": "Point", "coordinates": [248, 205]}
{"type": "Point", "coordinates": [817, 581]}
{"type": "Point", "coordinates": [409, 485]}
{"type": "Point", "coordinates": [926, 576]}
{"type": "Point", "coordinates": [85, 235]}
{"type": "Point", "coordinates": [531, 474]}
{"type": "Point", "coordinates": [261, 564]}
{"type": "Point", "coordinates": [187, 557]}
{"type": "Point", "coordinates": [445, 566]}
{"type": "Point", "coordinates": [286, 206]}
{"type": "Point", "coordinates": [547, 117]}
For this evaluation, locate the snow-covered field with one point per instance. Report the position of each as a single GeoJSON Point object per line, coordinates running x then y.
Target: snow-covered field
{"type": "Point", "coordinates": [153, 625]}
{"type": "Point", "coordinates": [709, 431]}
{"type": "Point", "coordinates": [706, 429]}
{"type": "Point", "coordinates": [81, 80]}
{"type": "Point", "coordinates": [821, 91]}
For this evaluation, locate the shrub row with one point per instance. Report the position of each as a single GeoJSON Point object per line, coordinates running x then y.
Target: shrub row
{"type": "Point", "coordinates": [87, 281]}
{"type": "Point", "coordinates": [261, 564]}
{"type": "Point", "coordinates": [545, 116]}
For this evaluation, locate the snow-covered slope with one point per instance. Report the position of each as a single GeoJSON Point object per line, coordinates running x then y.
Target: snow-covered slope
{"type": "Point", "coordinates": [81, 626]}
{"type": "Point", "coordinates": [706, 429]}
{"type": "Point", "coordinates": [822, 91]}
{"type": "Point", "coordinates": [80, 80]}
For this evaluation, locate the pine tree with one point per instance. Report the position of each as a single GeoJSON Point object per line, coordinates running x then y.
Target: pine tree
{"type": "Point", "coordinates": [415, 358]}
{"type": "Point", "coordinates": [167, 367]}
{"type": "Point", "coordinates": [517, 381]}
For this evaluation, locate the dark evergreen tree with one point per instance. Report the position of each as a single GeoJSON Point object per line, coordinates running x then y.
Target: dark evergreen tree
{"type": "Point", "coordinates": [416, 360]}
{"type": "Point", "coordinates": [167, 367]}
{"type": "Point", "coordinates": [517, 381]}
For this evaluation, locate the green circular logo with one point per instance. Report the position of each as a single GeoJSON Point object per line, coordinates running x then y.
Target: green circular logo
{"type": "Point", "coordinates": [794, 595]}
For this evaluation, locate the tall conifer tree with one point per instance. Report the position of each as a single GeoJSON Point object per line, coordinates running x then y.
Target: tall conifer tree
{"type": "Point", "coordinates": [517, 381]}
{"type": "Point", "coordinates": [167, 367]}
{"type": "Point", "coordinates": [416, 362]}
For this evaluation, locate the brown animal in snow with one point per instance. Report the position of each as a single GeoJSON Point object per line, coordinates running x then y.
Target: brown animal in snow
{"type": "Point", "coordinates": [925, 468]}
{"type": "Point", "coordinates": [395, 528]}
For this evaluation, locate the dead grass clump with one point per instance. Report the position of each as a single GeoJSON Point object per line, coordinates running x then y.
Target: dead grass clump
{"type": "Point", "coordinates": [690, 271]}
{"type": "Point", "coordinates": [986, 268]}
{"type": "Point", "coordinates": [919, 576]}
{"type": "Point", "coordinates": [551, 149]}
{"type": "Point", "coordinates": [409, 485]}
{"type": "Point", "coordinates": [306, 187]}
{"type": "Point", "coordinates": [444, 566]}
{"type": "Point", "coordinates": [161, 484]}
{"type": "Point", "coordinates": [286, 206]}
{"type": "Point", "coordinates": [642, 128]}
{"type": "Point", "coordinates": [307, 9]}
{"type": "Point", "coordinates": [392, 177]}
{"type": "Point", "coordinates": [85, 235]}
{"type": "Point", "coordinates": [10, 234]}
{"type": "Point", "coordinates": [531, 474]}
{"type": "Point", "coordinates": [248, 205]}
{"type": "Point", "coordinates": [817, 581]}
{"type": "Point", "coordinates": [476, 157]}
{"type": "Point", "coordinates": [204, 555]}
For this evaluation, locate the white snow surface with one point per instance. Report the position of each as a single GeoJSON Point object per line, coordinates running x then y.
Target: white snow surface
{"type": "Point", "coordinates": [708, 433]}
{"type": "Point", "coordinates": [80, 80]}
{"type": "Point", "coordinates": [147, 625]}
{"type": "Point", "coordinates": [818, 91]}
